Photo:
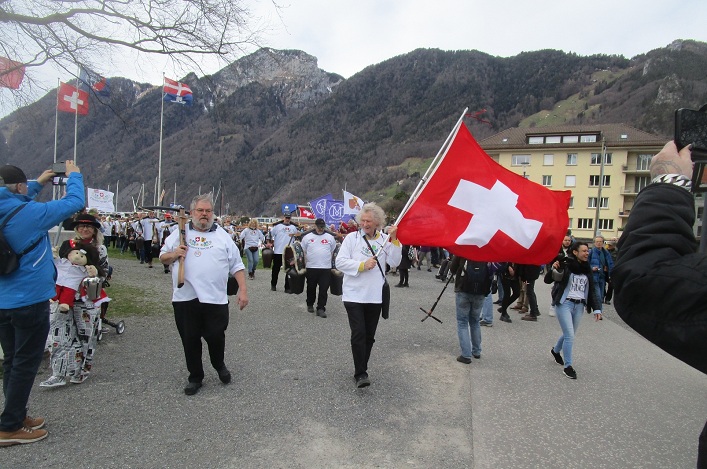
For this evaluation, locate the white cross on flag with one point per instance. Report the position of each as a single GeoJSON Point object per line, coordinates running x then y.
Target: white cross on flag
{"type": "Point", "coordinates": [72, 99]}
{"type": "Point", "coordinates": [477, 209]}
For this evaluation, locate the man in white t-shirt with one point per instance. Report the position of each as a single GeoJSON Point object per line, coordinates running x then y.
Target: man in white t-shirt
{"type": "Point", "coordinates": [201, 304]}
{"type": "Point", "coordinates": [318, 247]}
{"type": "Point", "coordinates": [281, 234]}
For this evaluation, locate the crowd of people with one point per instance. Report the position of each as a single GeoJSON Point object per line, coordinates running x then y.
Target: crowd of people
{"type": "Point", "coordinates": [209, 255]}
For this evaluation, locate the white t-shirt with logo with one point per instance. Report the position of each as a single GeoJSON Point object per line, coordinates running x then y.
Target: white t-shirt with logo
{"type": "Point", "coordinates": [578, 287]}
{"type": "Point", "coordinates": [318, 249]}
{"type": "Point", "coordinates": [211, 258]}
{"type": "Point", "coordinates": [281, 236]}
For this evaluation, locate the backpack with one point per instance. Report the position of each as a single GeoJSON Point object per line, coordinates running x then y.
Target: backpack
{"type": "Point", "coordinates": [9, 260]}
{"type": "Point", "coordinates": [477, 280]}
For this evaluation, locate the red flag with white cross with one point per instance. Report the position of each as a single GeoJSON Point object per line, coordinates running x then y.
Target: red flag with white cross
{"type": "Point", "coordinates": [477, 209]}
{"type": "Point", "coordinates": [72, 99]}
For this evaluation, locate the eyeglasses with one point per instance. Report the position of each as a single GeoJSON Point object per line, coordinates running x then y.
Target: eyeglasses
{"type": "Point", "coordinates": [203, 210]}
{"type": "Point", "coordinates": [83, 227]}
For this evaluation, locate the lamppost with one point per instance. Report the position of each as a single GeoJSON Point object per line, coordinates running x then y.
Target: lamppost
{"type": "Point", "coordinates": [525, 164]}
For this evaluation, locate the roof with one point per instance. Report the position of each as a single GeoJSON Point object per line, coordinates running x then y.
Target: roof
{"type": "Point", "coordinates": [615, 135]}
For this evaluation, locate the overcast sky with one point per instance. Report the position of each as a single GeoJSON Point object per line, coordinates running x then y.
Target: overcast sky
{"type": "Point", "coordinates": [348, 36]}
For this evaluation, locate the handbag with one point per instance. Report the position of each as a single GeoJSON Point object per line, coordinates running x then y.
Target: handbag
{"type": "Point", "coordinates": [253, 248]}
{"type": "Point", "coordinates": [385, 292]}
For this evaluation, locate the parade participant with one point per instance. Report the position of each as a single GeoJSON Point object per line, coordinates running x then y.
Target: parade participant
{"type": "Point", "coordinates": [151, 237]}
{"type": "Point", "coordinates": [281, 234]}
{"type": "Point", "coordinates": [201, 304]}
{"type": "Point", "coordinates": [572, 293]}
{"type": "Point", "coordinates": [251, 238]}
{"type": "Point", "coordinates": [139, 237]}
{"type": "Point", "coordinates": [25, 293]}
{"type": "Point", "coordinates": [318, 246]}
{"type": "Point", "coordinates": [659, 279]}
{"type": "Point", "coordinates": [363, 281]}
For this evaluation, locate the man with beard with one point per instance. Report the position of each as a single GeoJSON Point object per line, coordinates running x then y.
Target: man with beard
{"type": "Point", "coordinates": [201, 304]}
{"type": "Point", "coordinates": [318, 247]}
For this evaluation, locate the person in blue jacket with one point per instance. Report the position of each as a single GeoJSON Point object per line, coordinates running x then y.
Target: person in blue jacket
{"type": "Point", "coordinates": [25, 293]}
{"type": "Point", "coordinates": [602, 264]}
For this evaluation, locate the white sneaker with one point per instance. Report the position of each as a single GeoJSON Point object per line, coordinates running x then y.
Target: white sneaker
{"type": "Point", "coordinates": [551, 313]}
{"type": "Point", "coordinates": [53, 382]}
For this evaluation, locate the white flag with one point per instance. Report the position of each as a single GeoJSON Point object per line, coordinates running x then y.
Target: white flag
{"type": "Point", "coordinates": [352, 204]}
{"type": "Point", "coordinates": [101, 200]}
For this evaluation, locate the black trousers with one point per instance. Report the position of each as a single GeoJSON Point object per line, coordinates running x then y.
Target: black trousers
{"type": "Point", "coordinates": [276, 266]}
{"type": "Point", "coordinates": [532, 297]}
{"type": "Point", "coordinates": [511, 292]}
{"type": "Point", "coordinates": [318, 278]}
{"type": "Point", "coordinates": [194, 321]}
{"type": "Point", "coordinates": [363, 321]}
{"type": "Point", "coordinates": [148, 251]}
{"type": "Point", "coordinates": [404, 275]}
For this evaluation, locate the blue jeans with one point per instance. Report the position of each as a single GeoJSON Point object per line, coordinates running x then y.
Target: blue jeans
{"type": "Point", "coordinates": [499, 282]}
{"type": "Point", "coordinates": [468, 328]}
{"type": "Point", "coordinates": [487, 309]}
{"type": "Point", "coordinates": [600, 288]}
{"type": "Point", "coordinates": [252, 258]}
{"type": "Point", "coordinates": [23, 335]}
{"type": "Point", "coordinates": [568, 314]}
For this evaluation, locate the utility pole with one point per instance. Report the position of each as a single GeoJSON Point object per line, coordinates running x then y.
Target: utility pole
{"type": "Point", "coordinates": [602, 155]}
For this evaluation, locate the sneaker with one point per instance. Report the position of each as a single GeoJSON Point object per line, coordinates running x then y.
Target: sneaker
{"type": "Point", "coordinates": [362, 381]}
{"type": "Point", "coordinates": [551, 313]}
{"type": "Point", "coordinates": [21, 436]}
{"type": "Point", "coordinates": [80, 378]}
{"type": "Point", "coordinates": [224, 375]}
{"type": "Point", "coordinates": [505, 318]}
{"type": "Point", "coordinates": [321, 313]}
{"type": "Point", "coordinates": [463, 359]}
{"type": "Point", "coordinates": [570, 373]}
{"type": "Point", "coordinates": [310, 308]}
{"type": "Point", "coordinates": [33, 423]}
{"type": "Point", "coordinates": [557, 357]}
{"type": "Point", "coordinates": [53, 382]}
{"type": "Point", "coordinates": [485, 323]}
{"type": "Point", "coordinates": [529, 317]}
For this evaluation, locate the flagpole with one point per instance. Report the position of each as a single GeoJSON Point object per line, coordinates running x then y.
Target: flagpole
{"type": "Point", "coordinates": [117, 188]}
{"type": "Point", "coordinates": [175, 192]}
{"type": "Point", "coordinates": [159, 163]}
{"type": "Point", "coordinates": [55, 191]}
{"type": "Point", "coordinates": [433, 166]}
{"type": "Point", "coordinates": [76, 115]}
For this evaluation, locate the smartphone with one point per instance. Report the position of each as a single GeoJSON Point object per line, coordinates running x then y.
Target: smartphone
{"type": "Point", "coordinates": [691, 128]}
{"type": "Point", "coordinates": [59, 168]}
{"type": "Point", "coordinates": [59, 180]}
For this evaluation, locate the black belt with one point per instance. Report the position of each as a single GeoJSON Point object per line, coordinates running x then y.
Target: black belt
{"type": "Point", "coordinates": [576, 301]}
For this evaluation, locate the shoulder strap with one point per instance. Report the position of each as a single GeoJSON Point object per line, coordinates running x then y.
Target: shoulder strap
{"type": "Point", "coordinates": [369, 247]}
{"type": "Point", "coordinates": [9, 217]}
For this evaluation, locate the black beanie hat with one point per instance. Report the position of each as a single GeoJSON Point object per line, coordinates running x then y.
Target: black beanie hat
{"type": "Point", "coordinates": [12, 174]}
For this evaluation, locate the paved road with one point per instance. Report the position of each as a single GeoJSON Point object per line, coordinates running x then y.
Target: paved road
{"type": "Point", "coordinates": [293, 404]}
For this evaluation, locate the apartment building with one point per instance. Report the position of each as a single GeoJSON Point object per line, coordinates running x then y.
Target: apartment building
{"type": "Point", "coordinates": [605, 166]}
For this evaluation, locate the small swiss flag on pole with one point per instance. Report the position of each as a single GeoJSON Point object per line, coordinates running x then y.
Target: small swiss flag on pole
{"type": "Point", "coordinates": [72, 99]}
{"type": "Point", "coordinates": [477, 209]}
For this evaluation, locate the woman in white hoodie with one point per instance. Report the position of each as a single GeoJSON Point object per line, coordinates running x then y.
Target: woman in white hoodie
{"type": "Point", "coordinates": [362, 258]}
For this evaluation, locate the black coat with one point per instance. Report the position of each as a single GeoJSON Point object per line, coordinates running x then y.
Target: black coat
{"type": "Point", "coordinates": [660, 281]}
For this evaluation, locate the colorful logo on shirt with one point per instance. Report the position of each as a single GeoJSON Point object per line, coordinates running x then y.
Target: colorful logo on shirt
{"type": "Point", "coordinates": [200, 242]}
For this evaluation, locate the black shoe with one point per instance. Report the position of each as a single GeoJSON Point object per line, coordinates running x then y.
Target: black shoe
{"type": "Point", "coordinates": [557, 357]}
{"type": "Point", "coordinates": [363, 381]}
{"type": "Point", "coordinates": [273, 288]}
{"type": "Point", "coordinates": [321, 313]}
{"type": "Point", "coordinates": [570, 373]}
{"type": "Point", "coordinates": [500, 310]}
{"type": "Point", "coordinates": [310, 308]}
{"type": "Point", "coordinates": [607, 302]}
{"type": "Point", "coordinates": [287, 290]}
{"type": "Point", "coordinates": [498, 302]}
{"type": "Point", "coordinates": [505, 318]}
{"type": "Point", "coordinates": [399, 285]}
{"type": "Point", "coordinates": [429, 270]}
{"type": "Point", "coordinates": [406, 285]}
{"type": "Point", "coordinates": [192, 388]}
{"type": "Point", "coordinates": [478, 357]}
{"type": "Point", "coordinates": [463, 359]}
{"type": "Point", "coordinates": [224, 375]}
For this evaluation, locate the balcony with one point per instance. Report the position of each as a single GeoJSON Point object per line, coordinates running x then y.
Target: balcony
{"type": "Point", "coordinates": [629, 190]}
{"type": "Point", "coordinates": [624, 214]}
{"type": "Point", "coordinates": [633, 169]}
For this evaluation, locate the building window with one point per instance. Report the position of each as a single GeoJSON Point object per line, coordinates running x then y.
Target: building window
{"type": "Point", "coordinates": [536, 140]}
{"type": "Point", "coordinates": [547, 180]}
{"type": "Point", "coordinates": [588, 138]}
{"type": "Point", "coordinates": [570, 181]}
{"type": "Point", "coordinates": [571, 159]}
{"type": "Point", "coordinates": [570, 225]}
{"type": "Point", "coordinates": [644, 162]}
{"type": "Point", "coordinates": [520, 160]}
{"type": "Point", "coordinates": [592, 202]}
{"type": "Point", "coordinates": [553, 139]}
{"type": "Point", "coordinates": [596, 158]}
{"type": "Point", "coordinates": [594, 181]}
{"type": "Point", "coordinates": [548, 159]}
{"type": "Point", "coordinates": [642, 182]}
{"type": "Point", "coordinates": [606, 224]}
{"type": "Point", "coordinates": [571, 205]}
{"type": "Point", "coordinates": [585, 223]}
{"type": "Point", "coordinates": [570, 139]}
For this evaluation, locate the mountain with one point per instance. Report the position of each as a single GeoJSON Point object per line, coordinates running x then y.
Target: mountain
{"type": "Point", "coordinates": [272, 127]}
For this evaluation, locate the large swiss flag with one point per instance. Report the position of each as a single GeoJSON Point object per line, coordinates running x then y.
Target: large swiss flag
{"type": "Point", "coordinates": [477, 209]}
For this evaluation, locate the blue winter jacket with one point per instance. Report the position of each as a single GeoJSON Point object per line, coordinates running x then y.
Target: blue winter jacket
{"type": "Point", "coordinates": [595, 256]}
{"type": "Point", "coordinates": [34, 279]}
